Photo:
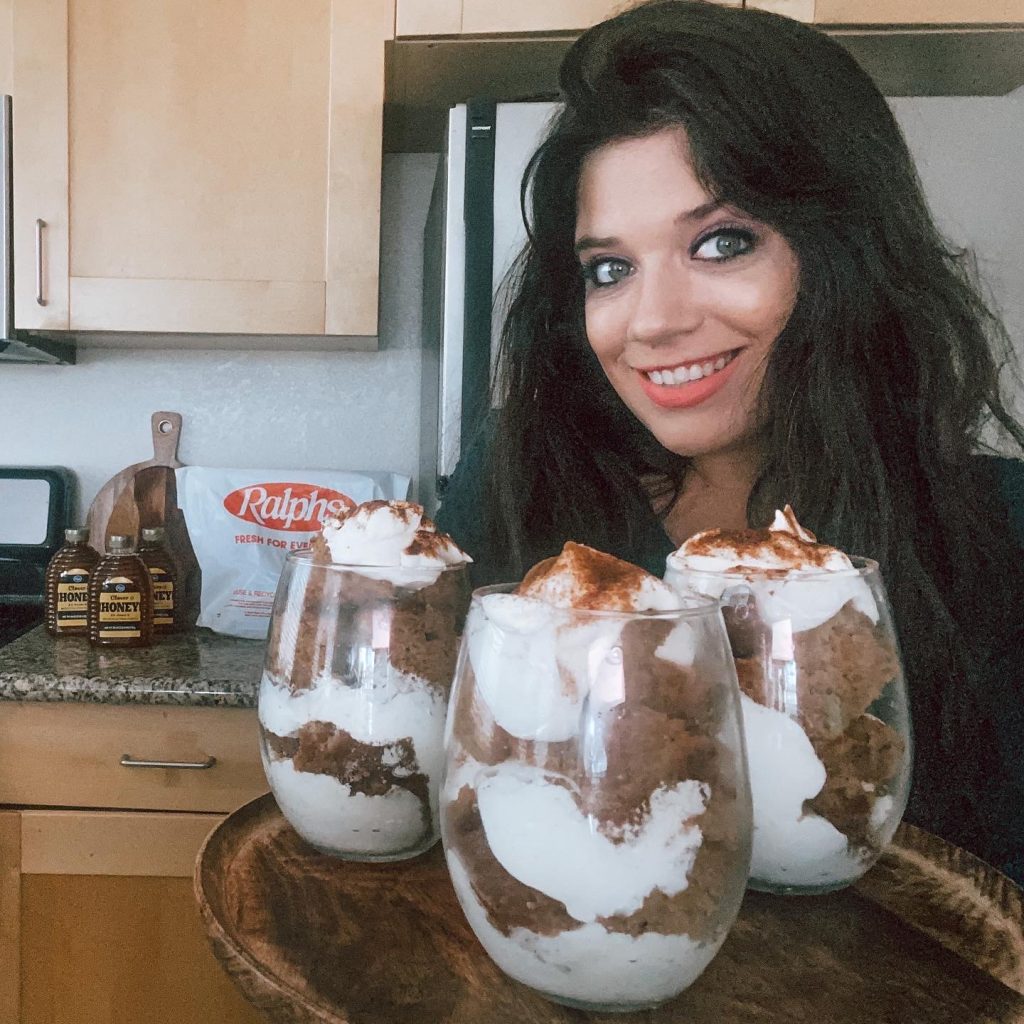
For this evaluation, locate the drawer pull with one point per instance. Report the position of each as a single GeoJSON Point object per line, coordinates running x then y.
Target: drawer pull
{"type": "Point", "coordinates": [131, 762]}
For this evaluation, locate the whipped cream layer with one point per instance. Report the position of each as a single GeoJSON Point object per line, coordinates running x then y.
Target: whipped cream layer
{"type": "Point", "coordinates": [328, 815]}
{"type": "Point", "coordinates": [791, 846]}
{"type": "Point", "coordinates": [589, 964]}
{"type": "Point", "coordinates": [385, 707]}
{"type": "Point", "coordinates": [538, 657]}
{"type": "Point", "coordinates": [791, 577]}
{"type": "Point", "coordinates": [537, 667]}
{"type": "Point", "coordinates": [538, 834]}
{"type": "Point", "coordinates": [388, 708]}
{"type": "Point", "coordinates": [381, 535]}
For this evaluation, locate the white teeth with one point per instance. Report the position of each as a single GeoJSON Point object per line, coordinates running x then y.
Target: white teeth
{"type": "Point", "coordinates": [685, 374]}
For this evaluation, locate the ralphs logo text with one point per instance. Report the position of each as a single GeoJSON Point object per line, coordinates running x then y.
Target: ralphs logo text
{"type": "Point", "coordinates": [297, 507]}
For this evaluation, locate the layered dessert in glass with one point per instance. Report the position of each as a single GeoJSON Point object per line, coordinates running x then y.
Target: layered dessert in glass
{"type": "Point", "coordinates": [825, 712]}
{"type": "Point", "coordinates": [595, 808]}
{"type": "Point", "coordinates": [362, 648]}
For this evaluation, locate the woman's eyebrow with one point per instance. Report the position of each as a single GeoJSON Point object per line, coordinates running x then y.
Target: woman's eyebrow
{"type": "Point", "coordinates": [687, 216]}
{"type": "Point", "coordinates": [702, 211]}
{"type": "Point", "coordinates": [589, 242]}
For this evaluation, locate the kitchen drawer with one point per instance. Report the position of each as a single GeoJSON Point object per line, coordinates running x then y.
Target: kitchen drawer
{"type": "Point", "coordinates": [69, 755]}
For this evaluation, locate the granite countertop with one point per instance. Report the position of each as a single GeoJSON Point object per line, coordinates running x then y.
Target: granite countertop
{"type": "Point", "coordinates": [199, 668]}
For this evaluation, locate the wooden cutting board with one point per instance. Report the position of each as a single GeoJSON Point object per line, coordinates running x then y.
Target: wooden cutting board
{"type": "Point", "coordinates": [145, 495]}
{"type": "Point", "coordinates": [113, 510]}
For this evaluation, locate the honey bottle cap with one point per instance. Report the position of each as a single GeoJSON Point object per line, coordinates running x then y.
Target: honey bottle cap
{"type": "Point", "coordinates": [121, 545]}
{"type": "Point", "coordinates": [76, 536]}
{"type": "Point", "coordinates": [154, 534]}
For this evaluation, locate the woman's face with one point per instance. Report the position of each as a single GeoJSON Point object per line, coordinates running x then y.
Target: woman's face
{"type": "Point", "coordinates": [684, 298]}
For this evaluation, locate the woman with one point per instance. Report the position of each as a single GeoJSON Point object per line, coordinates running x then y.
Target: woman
{"type": "Point", "coordinates": [734, 297]}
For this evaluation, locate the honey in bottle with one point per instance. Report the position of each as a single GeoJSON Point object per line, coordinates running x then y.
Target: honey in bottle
{"type": "Point", "coordinates": [121, 598]}
{"type": "Point", "coordinates": [67, 585]}
{"type": "Point", "coordinates": [164, 577]}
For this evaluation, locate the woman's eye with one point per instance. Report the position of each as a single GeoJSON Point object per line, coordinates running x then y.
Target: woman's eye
{"type": "Point", "coordinates": [724, 245]}
{"type": "Point", "coordinates": [603, 272]}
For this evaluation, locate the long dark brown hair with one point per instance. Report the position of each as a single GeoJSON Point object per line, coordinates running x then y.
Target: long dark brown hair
{"type": "Point", "coordinates": [874, 393]}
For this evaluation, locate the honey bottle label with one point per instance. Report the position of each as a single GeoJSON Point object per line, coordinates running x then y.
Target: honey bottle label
{"type": "Point", "coordinates": [120, 609]}
{"type": "Point", "coordinates": [163, 598]}
{"type": "Point", "coordinates": [73, 597]}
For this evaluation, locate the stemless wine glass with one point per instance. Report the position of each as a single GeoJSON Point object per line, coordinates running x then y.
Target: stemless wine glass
{"type": "Point", "coordinates": [595, 812]}
{"type": "Point", "coordinates": [825, 717]}
{"type": "Point", "coordinates": [353, 699]}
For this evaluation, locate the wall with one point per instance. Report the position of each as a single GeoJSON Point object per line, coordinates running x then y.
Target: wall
{"type": "Point", "coordinates": [330, 410]}
{"type": "Point", "coordinates": [969, 152]}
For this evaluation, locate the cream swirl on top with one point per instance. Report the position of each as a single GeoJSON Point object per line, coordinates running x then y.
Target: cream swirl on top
{"type": "Point", "coordinates": [390, 534]}
{"type": "Point", "coordinates": [792, 576]}
{"type": "Point", "coordinates": [585, 579]}
{"type": "Point", "coordinates": [785, 546]}
{"type": "Point", "coordinates": [535, 656]}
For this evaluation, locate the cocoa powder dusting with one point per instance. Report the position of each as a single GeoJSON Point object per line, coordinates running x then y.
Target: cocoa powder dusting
{"type": "Point", "coordinates": [748, 547]}
{"type": "Point", "coordinates": [427, 542]}
{"type": "Point", "coordinates": [600, 582]}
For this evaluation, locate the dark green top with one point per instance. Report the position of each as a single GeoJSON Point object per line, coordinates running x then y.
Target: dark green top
{"type": "Point", "coordinates": [460, 517]}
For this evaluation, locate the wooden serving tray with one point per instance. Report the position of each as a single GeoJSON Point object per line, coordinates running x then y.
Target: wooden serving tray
{"type": "Point", "coordinates": [930, 935]}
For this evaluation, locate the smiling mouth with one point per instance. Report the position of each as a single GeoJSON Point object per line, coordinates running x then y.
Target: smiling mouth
{"type": "Point", "coordinates": [684, 373]}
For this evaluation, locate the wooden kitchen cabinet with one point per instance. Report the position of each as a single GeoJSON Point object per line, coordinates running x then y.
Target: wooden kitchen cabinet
{"type": "Point", "coordinates": [196, 167]}
{"type": "Point", "coordinates": [98, 922]}
{"type": "Point", "coordinates": [496, 17]}
{"type": "Point", "coordinates": [898, 12]}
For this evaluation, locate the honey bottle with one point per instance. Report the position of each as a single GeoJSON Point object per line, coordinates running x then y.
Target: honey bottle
{"type": "Point", "coordinates": [67, 585]}
{"type": "Point", "coordinates": [121, 598]}
{"type": "Point", "coordinates": [164, 577]}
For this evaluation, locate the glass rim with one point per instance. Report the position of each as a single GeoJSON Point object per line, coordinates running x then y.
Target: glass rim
{"type": "Point", "coordinates": [861, 567]}
{"type": "Point", "coordinates": [697, 605]}
{"type": "Point", "coordinates": [305, 557]}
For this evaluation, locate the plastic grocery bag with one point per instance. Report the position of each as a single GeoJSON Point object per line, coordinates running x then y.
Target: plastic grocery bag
{"type": "Point", "coordinates": [243, 522]}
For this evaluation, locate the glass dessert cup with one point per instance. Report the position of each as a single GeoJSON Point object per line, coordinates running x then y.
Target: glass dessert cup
{"type": "Point", "coordinates": [353, 700]}
{"type": "Point", "coordinates": [595, 810]}
{"type": "Point", "coordinates": [825, 718]}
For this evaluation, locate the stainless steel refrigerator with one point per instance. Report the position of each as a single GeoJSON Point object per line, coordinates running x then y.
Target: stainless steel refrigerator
{"type": "Point", "coordinates": [474, 232]}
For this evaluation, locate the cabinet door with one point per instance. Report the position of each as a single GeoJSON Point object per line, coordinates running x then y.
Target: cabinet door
{"type": "Point", "coordinates": [196, 167]}
{"type": "Point", "coordinates": [898, 12]}
{"type": "Point", "coordinates": [490, 17]}
{"type": "Point", "coordinates": [10, 915]}
{"type": "Point", "coordinates": [110, 931]}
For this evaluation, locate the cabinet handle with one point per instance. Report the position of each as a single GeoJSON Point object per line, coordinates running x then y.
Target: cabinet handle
{"type": "Point", "coordinates": [128, 761]}
{"type": "Point", "coordinates": [40, 224]}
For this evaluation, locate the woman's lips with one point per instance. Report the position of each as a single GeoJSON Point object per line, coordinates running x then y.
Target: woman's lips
{"type": "Point", "coordinates": [683, 396]}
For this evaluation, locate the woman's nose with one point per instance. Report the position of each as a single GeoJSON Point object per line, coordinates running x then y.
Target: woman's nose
{"type": "Point", "coordinates": [664, 306]}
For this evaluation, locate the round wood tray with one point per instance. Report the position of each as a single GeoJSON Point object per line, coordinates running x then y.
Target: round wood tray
{"type": "Point", "coordinates": [931, 934]}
